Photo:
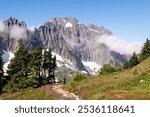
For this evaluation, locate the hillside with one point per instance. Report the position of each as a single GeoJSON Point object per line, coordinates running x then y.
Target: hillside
{"type": "Point", "coordinates": [127, 84]}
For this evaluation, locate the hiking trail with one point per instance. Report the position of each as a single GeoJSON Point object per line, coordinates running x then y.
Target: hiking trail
{"type": "Point", "coordinates": [65, 94]}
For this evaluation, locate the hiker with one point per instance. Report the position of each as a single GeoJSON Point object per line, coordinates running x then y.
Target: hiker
{"type": "Point", "coordinates": [64, 80]}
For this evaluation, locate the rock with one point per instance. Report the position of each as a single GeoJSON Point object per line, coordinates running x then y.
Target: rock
{"type": "Point", "coordinates": [74, 42]}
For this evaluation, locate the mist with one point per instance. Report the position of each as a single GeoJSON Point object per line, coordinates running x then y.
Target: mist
{"type": "Point", "coordinates": [17, 32]}
{"type": "Point", "coordinates": [121, 46]}
{"type": "Point", "coordinates": [2, 27]}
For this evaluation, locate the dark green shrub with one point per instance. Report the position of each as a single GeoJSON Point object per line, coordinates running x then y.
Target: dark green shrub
{"type": "Point", "coordinates": [107, 69]}
{"type": "Point", "coordinates": [79, 77]}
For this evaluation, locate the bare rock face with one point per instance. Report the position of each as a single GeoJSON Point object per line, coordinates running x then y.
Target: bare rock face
{"type": "Point", "coordinates": [80, 39]}
{"type": "Point", "coordinates": [12, 21]}
{"type": "Point", "coordinates": [12, 34]}
{"type": "Point", "coordinates": [69, 39]}
{"type": "Point", "coordinates": [51, 37]}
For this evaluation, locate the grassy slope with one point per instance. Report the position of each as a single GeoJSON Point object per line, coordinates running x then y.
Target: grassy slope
{"type": "Point", "coordinates": [127, 84]}
{"type": "Point", "coordinates": [42, 93]}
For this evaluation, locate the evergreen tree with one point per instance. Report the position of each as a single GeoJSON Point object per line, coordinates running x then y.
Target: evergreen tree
{"type": "Point", "coordinates": [54, 65]}
{"type": "Point", "coordinates": [107, 69]}
{"type": "Point", "coordinates": [132, 62]}
{"type": "Point", "coordinates": [44, 65]}
{"type": "Point", "coordinates": [18, 69]}
{"type": "Point", "coordinates": [145, 52]}
{"type": "Point", "coordinates": [36, 66]}
{"type": "Point", "coordinates": [49, 65]}
{"type": "Point", "coordinates": [1, 74]}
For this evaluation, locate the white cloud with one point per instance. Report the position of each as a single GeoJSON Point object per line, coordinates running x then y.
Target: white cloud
{"type": "Point", "coordinates": [122, 46]}
{"type": "Point", "coordinates": [2, 27]}
{"type": "Point", "coordinates": [17, 32]}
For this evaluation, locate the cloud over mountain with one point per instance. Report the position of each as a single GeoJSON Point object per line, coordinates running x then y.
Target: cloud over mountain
{"type": "Point", "coordinates": [118, 45]}
{"type": "Point", "coordinates": [17, 32]}
{"type": "Point", "coordinates": [2, 27]}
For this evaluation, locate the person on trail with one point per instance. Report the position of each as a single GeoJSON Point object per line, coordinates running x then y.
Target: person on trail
{"type": "Point", "coordinates": [65, 80]}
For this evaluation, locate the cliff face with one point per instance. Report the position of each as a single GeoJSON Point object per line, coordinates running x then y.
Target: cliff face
{"type": "Point", "coordinates": [77, 43]}
{"type": "Point", "coordinates": [60, 33]}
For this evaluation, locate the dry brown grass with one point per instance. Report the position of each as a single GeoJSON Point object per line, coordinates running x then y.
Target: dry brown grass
{"type": "Point", "coordinates": [42, 93]}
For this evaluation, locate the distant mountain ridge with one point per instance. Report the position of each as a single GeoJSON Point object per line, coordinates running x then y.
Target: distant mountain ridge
{"type": "Point", "coordinates": [75, 43]}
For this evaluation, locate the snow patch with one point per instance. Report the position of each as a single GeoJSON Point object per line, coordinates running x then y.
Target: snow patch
{"type": "Point", "coordinates": [58, 57]}
{"type": "Point", "coordinates": [94, 30]}
{"type": "Point", "coordinates": [69, 62]}
{"type": "Point", "coordinates": [92, 67]}
{"type": "Point", "coordinates": [6, 57]}
{"type": "Point", "coordinates": [69, 66]}
{"type": "Point", "coordinates": [58, 64]}
{"type": "Point", "coordinates": [69, 25]}
{"type": "Point", "coordinates": [84, 72]}
{"type": "Point", "coordinates": [63, 62]}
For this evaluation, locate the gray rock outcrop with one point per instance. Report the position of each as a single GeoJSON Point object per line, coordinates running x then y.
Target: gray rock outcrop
{"type": "Point", "coordinates": [69, 39]}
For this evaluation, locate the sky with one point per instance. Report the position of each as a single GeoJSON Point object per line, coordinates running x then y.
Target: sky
{"type": "Point", "coordinates": [127, 19]}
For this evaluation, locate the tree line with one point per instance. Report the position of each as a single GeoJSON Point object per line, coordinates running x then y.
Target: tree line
{"type": "Point", "coordinates": [28, 69]}
{"type": "Point", "coordinates": [134, 60]}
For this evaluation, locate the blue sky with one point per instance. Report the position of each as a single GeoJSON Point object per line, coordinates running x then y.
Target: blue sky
{"type": "Point", "coordinates": [127, 19]}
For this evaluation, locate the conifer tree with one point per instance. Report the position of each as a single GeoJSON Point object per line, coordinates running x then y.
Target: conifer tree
{"type": "Point", "coordinates": [36, 66]}
{"type": "Point", "coordinates": [145, 52]}
{"type": "Point", "coordinates": [107, 69]}
{"type": "Point", "coordinates": [44, 65]}
{"type": "Point", "coordinates": [132, 62]}
{"type": "Point", "coordinates": [49, 65]}
{"type": "Point", "coordinates": [1, 73]}
{"type": "Point", "coordinates": [18, 69]}
{"type": "Point", "coordinates": [54, 65]}
{"type": "Point", "coordinates": [20, 62]}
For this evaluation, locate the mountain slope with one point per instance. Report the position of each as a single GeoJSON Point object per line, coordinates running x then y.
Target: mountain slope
{"type": "Point", "coordinates": [74, 42]}
{"type": "Point", "coordinates": [128, 84]}
{"type": "Point", "coordinates": [120, 85]}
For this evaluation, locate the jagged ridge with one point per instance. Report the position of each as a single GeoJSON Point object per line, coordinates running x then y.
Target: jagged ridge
{"type": "Point", "coordinates": [69, 39]}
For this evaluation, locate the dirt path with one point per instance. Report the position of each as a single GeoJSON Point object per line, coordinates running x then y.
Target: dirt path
{"type": "Point", "coordinates": [55, 90]}
{"type": "Point", "coordinates": [65, 94]}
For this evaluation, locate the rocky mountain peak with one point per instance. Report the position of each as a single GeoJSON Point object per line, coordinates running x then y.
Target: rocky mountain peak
{"type": "Point", "coordinates": [71, 19]}
{"type": "Point", "coordinates": [68, 22]}
{"type": "Point", "coordinates": [13, 21]}
{"type": "Point", "coordinates": [100, 29]}
{"type": "Point", "coordinates": [76, 43]}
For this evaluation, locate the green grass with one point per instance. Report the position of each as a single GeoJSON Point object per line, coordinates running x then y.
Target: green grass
{"type": "Point", "coordinates": [127, 84]}
{"type": "Point", "coordinates": [42, 93]}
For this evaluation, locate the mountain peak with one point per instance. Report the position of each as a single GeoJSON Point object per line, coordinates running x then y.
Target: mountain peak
{"type": "Point", "coordinates": [76, 43]}
{"type": "Point", "coordinates": [13, 21]}
{"type": "Point", "coordinates": [68, 22]}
